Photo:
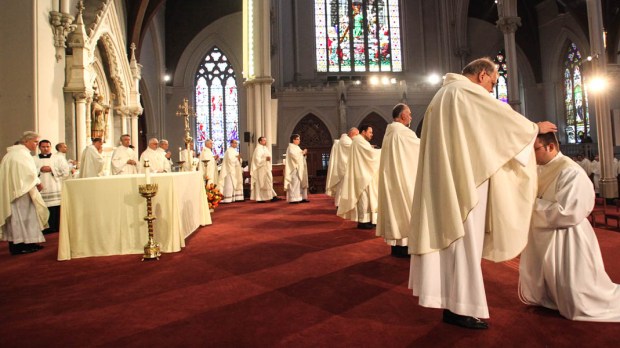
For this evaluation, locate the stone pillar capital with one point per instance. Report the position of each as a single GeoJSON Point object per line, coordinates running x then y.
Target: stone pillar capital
{"type": "Point", "coordinates": [508, 25]}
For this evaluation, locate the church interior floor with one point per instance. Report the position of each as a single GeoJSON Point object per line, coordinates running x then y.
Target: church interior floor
{"type": "Point", "coordinates": [265, 275]}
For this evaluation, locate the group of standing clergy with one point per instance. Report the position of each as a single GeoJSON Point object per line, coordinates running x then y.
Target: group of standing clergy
{"type": "Point", "coordinates": [474, 194]}
{"type": "Point", "coordinates": [32, 186]}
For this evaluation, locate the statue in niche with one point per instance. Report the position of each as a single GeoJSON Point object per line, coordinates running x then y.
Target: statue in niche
{"type": "Point", "coordinates": [99, 117]}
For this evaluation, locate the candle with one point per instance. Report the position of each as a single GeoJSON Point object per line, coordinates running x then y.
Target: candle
{"type": "Point", "coordinates": [180, 154]}
{"type": "Point", "coordinates": [65, 6]}
{"type": "Point", "coordinates": [147, 172]}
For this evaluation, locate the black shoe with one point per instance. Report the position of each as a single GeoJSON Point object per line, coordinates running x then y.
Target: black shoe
{"type": "Point", "coordinates": [35, 247]}
{"type": "Point", "coordinates": [21, 248]}
{"type": "Point", "coordinates": [463, 320]}
{"type": "Point", "coordinates": [400, 251]}
{"type": "Point", "coordinates": [305, 201]}
{"type": "Point", "coordinates": [364, 226]}
{"type": "Point", "coordinates": [261, 201]}
{"type": "Point", "coordinates": [275, 199]}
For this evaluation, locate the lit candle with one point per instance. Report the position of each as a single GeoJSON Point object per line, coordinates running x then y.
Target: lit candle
{"type": "Point", "coordinates": [147, 171]}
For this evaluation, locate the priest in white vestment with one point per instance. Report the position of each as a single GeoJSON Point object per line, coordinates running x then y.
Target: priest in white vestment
{"type": "Point", "coordinates": [360, 184]}
{"type": "Point", "coordinates": [124, 158]}
{"type": "Point", "coordinates": [474, 193]}
{"type": "Point", "coordinates": [296, 172]}
{"type": "Point", "coordinates": [157, 160]}
{"type": "Point", "coordinates": [209, 170]}
{"type": "Point", "coordinates": [23, 213]}
{"type": "Point", "coordinates": [339, 165]}
{"type": "Point", "coordinates": [163, 150]}
{"type": "Point", "coordinates": [92, 161]}
{"type": "Point", "coordinates": [231, 175]}
{"type": "Point", "coordinates": [261, 177]}
{"type": "Point", "coordinates": [562, 268]}
{"type": "Point", "coordinates": [397, 169]}
{"type": "Point", "coordinates": [330, 188]}
{"type": "Point", "coordinates": [52, 170]}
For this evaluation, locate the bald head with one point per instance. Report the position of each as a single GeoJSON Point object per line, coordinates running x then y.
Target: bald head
{"type": "Point", "coordinates": [353, 132]}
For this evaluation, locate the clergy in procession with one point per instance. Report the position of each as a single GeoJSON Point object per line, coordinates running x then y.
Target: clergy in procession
{"type": "Point", "coordinates": [124, 158]}
{"type": "Point", "coordinates": [23, 213]}
{"type": "Point", "coordinates": [330, 188]}
{"type": "Point", "coordinates": [163, 150]}
{"type": "Point", "coordinates": [61, 150]}
{"type": "Point", "coordinates": [190, 162]}
{"type": "Point", "coordinates": [210, 169]}
{"type": "Point", "coordinates": [296, 172]}
{"type": "Point", "coordinates": [562, 268]}
{"type": "Point", "coordinates": [340, 163]}
{"type": "Point", "coordinates": [261, 177]}
{"type": "Point", "coordinates": [397, 168]}
{"type": "Point", "coordinates": [92, 162]}
{"type": "Point", "coordinates": [231, 174]}
{"type": "Point", "coordinates": [157, 160]}
{"type": "Point", "coordinates": [52, 170]}
{"type": "Point", "coordinates": [475, 157]}
{"type": "Point", "coordinates": [358, 198]}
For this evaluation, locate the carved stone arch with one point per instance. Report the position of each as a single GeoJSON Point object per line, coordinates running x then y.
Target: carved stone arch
{"type": "Point", "coordinates": [107, 49]}
{"type": "Point", "coordinates": [318, 140]}
{"type": "Point", "coordinates": [378, 124]}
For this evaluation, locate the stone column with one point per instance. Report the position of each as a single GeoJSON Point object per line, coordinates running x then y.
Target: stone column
{"type": "Point", "coordinates": [134, 130]}
{"type": "Point", "coordinates": [508, 26]}
{"type": "Point", "coordinates": [608, 184]}
{"type": "Point", "coordinates": [257, 70]}
{"type": "Point", "coordinates": [80, 116]}
{"type": "Point", "coordinates": [89, 102]}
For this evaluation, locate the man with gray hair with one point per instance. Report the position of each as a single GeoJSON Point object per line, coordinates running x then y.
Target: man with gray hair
{"type": "Point", "coordinates": [157, 162]}
{"type": "Point", "coordinates": [474, 192]}
{"type": "Point", "coordinates": [124, 158]}
{"type": "Point", "coordinates": [23, 213]}
{"type": "Point", "coordinates": [210, 169]}
{"type": "Point", "coordinates": [163, 150]}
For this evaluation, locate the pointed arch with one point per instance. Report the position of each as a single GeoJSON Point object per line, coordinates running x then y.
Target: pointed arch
{"type": "Point", "coordinates": [216, 101]}
{"type": "Point", "coordinates": [318, 140]}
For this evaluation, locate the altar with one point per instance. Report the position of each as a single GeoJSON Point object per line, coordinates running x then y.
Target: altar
{"type": "Point", "coordinates": [105, 216]}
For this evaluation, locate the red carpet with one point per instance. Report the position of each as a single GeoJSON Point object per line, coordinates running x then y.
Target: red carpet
{"type": "Point", "coordinates": [265, 275]}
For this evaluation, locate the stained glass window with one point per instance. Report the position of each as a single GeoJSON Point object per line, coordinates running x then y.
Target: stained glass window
{"type": "Point", "coordinates": [575, 97]}
{"type": "Point", "coordinates": [500, 91]}
{"type": "Point", "coordinates": [217, 108]}
{"type": "Point", "coordinates": [357, 35]}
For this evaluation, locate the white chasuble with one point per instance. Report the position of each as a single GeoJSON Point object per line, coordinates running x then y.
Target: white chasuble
{"type": "Point", "coordinates": [397, 170]}
{"type": "Point", "coordinates": [361, 177]}
{"type": "Point", "coordinates": [261, 175]}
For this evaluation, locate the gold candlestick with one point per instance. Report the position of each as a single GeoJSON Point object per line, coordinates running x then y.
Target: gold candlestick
{"type": "Point", "coordinates": [204, 167]}
{"type": "Point", "coordinates": [186, 111]}
{"type": "Point", "coordinates": [151, 249]}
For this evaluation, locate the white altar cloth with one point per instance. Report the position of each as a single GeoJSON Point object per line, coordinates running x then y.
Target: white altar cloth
{"type": "Point", "coordinates": [105, 215]}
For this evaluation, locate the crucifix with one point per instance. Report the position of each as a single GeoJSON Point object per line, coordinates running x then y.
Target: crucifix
{"type": "Point", "coordinates": [186, 111]}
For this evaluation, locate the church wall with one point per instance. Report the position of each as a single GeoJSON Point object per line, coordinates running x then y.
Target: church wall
{"type": "Point", "coordinates": [153, 70]}
{"type": "Point", "coordinates": [31, 89]}
{"type": "Point", "coordinates": [226, 33]}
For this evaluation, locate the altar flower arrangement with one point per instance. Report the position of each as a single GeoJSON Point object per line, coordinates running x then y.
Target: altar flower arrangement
{"type": "Point", "coordinates": [214, 196]}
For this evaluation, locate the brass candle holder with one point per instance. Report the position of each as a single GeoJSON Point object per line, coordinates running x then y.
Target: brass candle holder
{"type": "Point", "coordinates": [151, 249]}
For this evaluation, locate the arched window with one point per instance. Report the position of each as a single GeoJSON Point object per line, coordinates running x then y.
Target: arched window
{"type": "Point", "coordinates": [576, 99]}
{"type": "Point", "coordinates": [357, 35]}
{"type": "Point", "coordinates": [500, 91]}
{"type": "Point", "coordinates": [217, 108]}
